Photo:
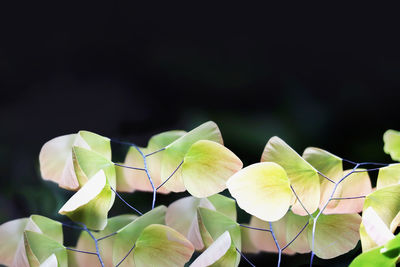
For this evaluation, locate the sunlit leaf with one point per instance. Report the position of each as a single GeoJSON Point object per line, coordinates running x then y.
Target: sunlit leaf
{"type": "Point", "coordinates": [263, 240]}
{"type": "Point", "coordinates": [56, 156]}
{"type": "Point", "coordinates": [335, 234]}
{"type": "Point", "coordinates": [206, 168]}
{"type": "Point", "coordinates": [11, 234]}
{"type": "Point", "coordinates": [214, 252]}
{"type": "Point", "coordinates": [182, 216]}
{"type": "Point", "coordinates": [175, 153]}
{"type": "Point", "coordinates": [39, 248]}
{"type": "Point", "coordinates": [391, 139]}
{"type": "Point", "coordinates": [303, 177]}
{"type": "Point", "coordinates": [50, 261]}
{"type": "Point", "coordinates": [386, 203]}
{"type": "Point", "coordinates": [126, 236]}
{"type": "Point", "coordinates": [294, 224]}
{"type": "Point", "coordinates": [262, 190]}
{"type": "Point", "coordinates": [248, 245]}
{"type": "Point", "coordinates": [389, 175]}
{"type": "Point", "coordinates": [225, 205]}
{"type": "Point", "coordinates": [160, 245]}
{"type": "Point", "coordinates": [212, 225]}
{"type": "Point", "coordinates": [376, 229]}
{"type": "Point", "coordinates": [330, 166]}
{"type": "Point", "coordinates": [90, 205]}
{"type": "Point", "coordinates": [86, 243]}
{"type": "Point", "coordinates": [357, 184]}
{"type": "Point", "coordinates": [136, 179]}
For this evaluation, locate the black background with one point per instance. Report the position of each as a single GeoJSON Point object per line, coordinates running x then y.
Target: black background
{"type": "Point", "coordinates": [324, 76]}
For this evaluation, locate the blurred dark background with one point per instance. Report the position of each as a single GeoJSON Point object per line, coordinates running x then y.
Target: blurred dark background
{"type": "Point", "coordinates": [315, 77]}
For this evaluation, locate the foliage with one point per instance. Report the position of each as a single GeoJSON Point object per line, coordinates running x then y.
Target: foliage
{"type": "Point", "coordinates": [299, 204]}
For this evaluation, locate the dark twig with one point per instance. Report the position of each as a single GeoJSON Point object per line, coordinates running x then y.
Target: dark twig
{"type": "Point", "coordinates": [118, 195]}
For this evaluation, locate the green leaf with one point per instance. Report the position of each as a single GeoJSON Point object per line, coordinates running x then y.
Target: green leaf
{"type": "Point", "coordinates": [182, 216]}
{"type": "Point", "coordinates": [262, 190]}
{"type": "Point", "coordinates": [329, 165]}
{"type": "Point", "coordinates": [389, 175]}
{"type": "Point", "coordinates": [40, 247]}
{"type": "Point", "coordinates": [391, 139]}
{"type": "Point", "coordinates": [386, 203]}
{"type": "Point", "coordinates": [303, 177]}
{"type": "Point", "coordinates": [206, 168]}
{"type": "Point", "coordinates": [373, 258]}
{"type": "Point", "coordinates": [356, 184]}
{"type": "Point", "coordinates": [160, 245]}
{"type": "Point", "coordinates": [392, 248]}
{"type": "Point", "coordinates": [376, 229]}
{"type": "Point", "coordinates": [136, 179]}
{"type": "Point", "coordinates": [11, 234]}
{"type": "Point", "coordinates": [335, 234]}
{"type": "Point", "coordinates": [126, 237]}
{"type": "Point", "coordinates": [56, 156]}
{"type": "Point", "coordinates": [175, 153]}
{"type": "Point", "coordinates": [263, 240]}
{"type": "Point", "coordinates": [225, 205]}
{"type": "Point", "coordinates": [86, 243]}
{"type": "Point", "coordinates": [90, 205]}
{"type": "Point", "coordinates": [156, 143]}
{"type": "Point", "coordinates": [214, 252]}
{"type": "Point", "coordinates": [294, 224]}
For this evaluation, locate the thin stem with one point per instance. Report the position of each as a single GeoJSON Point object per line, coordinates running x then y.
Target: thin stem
{"type": "Point", "coordinates": [301, 203]}
{"type": "Point", "coordinates": [368, 170]}
{"type": "Point", "coordinates": [107, 236]}
{"type": "Point", "coordinates": [254, 228]}
{"type": "Point", "coordinates": [96, 244]}
{"type": "Point", "coordinates": [126, 255]}
{"type": "Point", "coordinates": [148, 175]}
{"type": "Point", "coordinates": [125, 201]}
{"type": "Point", "coordinates": [302, 229]}
{"type": "Point", "coordinates": [349, 161]}
{"type": "Point", "coordinates": [313, 240]}
{"type": "Point", "coordinates": [373, 163]}
{"type": "Point", "coordinates": [326, 177]}
{"type": "Point", "coordinates": [242, 255]}
{"type": "Point", "coordinates": [277, 244]}
{"type": "Point", "coordinates": [180, 164]}
{"type": "Point", "coordinates": [152, 153]}
{"type": "Point", "coordinates": [341, 198]}
{"type": "Point", "coordinates": [81, 251]}
{"type": "Point", "coordinates": [129, 167]}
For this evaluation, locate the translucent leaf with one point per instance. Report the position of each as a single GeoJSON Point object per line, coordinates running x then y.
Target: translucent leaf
{"type": "Point", "coordinates": [90, 205]}
{"type": "Point", "coordinates": [212, 225]}
{"type": "Point", "coordinates": [391, 139]}
{"type": "Point", "coordinates": [126, 237]}
{"type": "Point", "coordinates": [175, 152]}
{"type": "Point", "coordinates": [55, 159]}
{"type": "Point", "coordinates": [262, 190]}
{"type": "Point", "coordinates": [40, 247]}
{"type": "Point", "coordinates": [136, 179]}
{"type": "Point", "coordinates": [355, 185]}
{"type": "Point", "coordinates": [86, 243]}
{"type": "Point", "coordinates": [294, 224]}
{"type": "Point", "coordinates": [50, 261]}
{"type": "Point", "coordinates": [11, 234]}
{"type": "Point", "coordinates": [214, 252]}
{"type": "Point", "coordinates": [225, 205]}
{"type": "Point", "coordinates": [334, 234]}
{"type": "Point", "coordinates": [206, 168]}
{"type": "Point", "coordinates": [248, 245]}
{"type": "Point", "coordinates": [329, 165]}
{"type": "Point", "coordinates": [182, 216]}
{"type": "Point", "coordinates": [303, 177]}
{"type": "Point", "coordinates": [160, 245]}
{"type": "Point", "coordinates": [56, 156]}
{"type": "Point", "coordinates": [375, 227]}
{"type": "Point", "coordinates": [392, 247]}
{"type": "Point", "coordinates": [386, 203]}
{"type": "Point", "coordinates": [389, 175]}
{"type": "Point", "coordinates": [263, 240]}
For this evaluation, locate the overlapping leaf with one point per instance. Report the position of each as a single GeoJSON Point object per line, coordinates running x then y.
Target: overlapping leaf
{"type": "Point", "coordinates": [303, 177]}
{"type": "Point", "coordinates": [391, 139]}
